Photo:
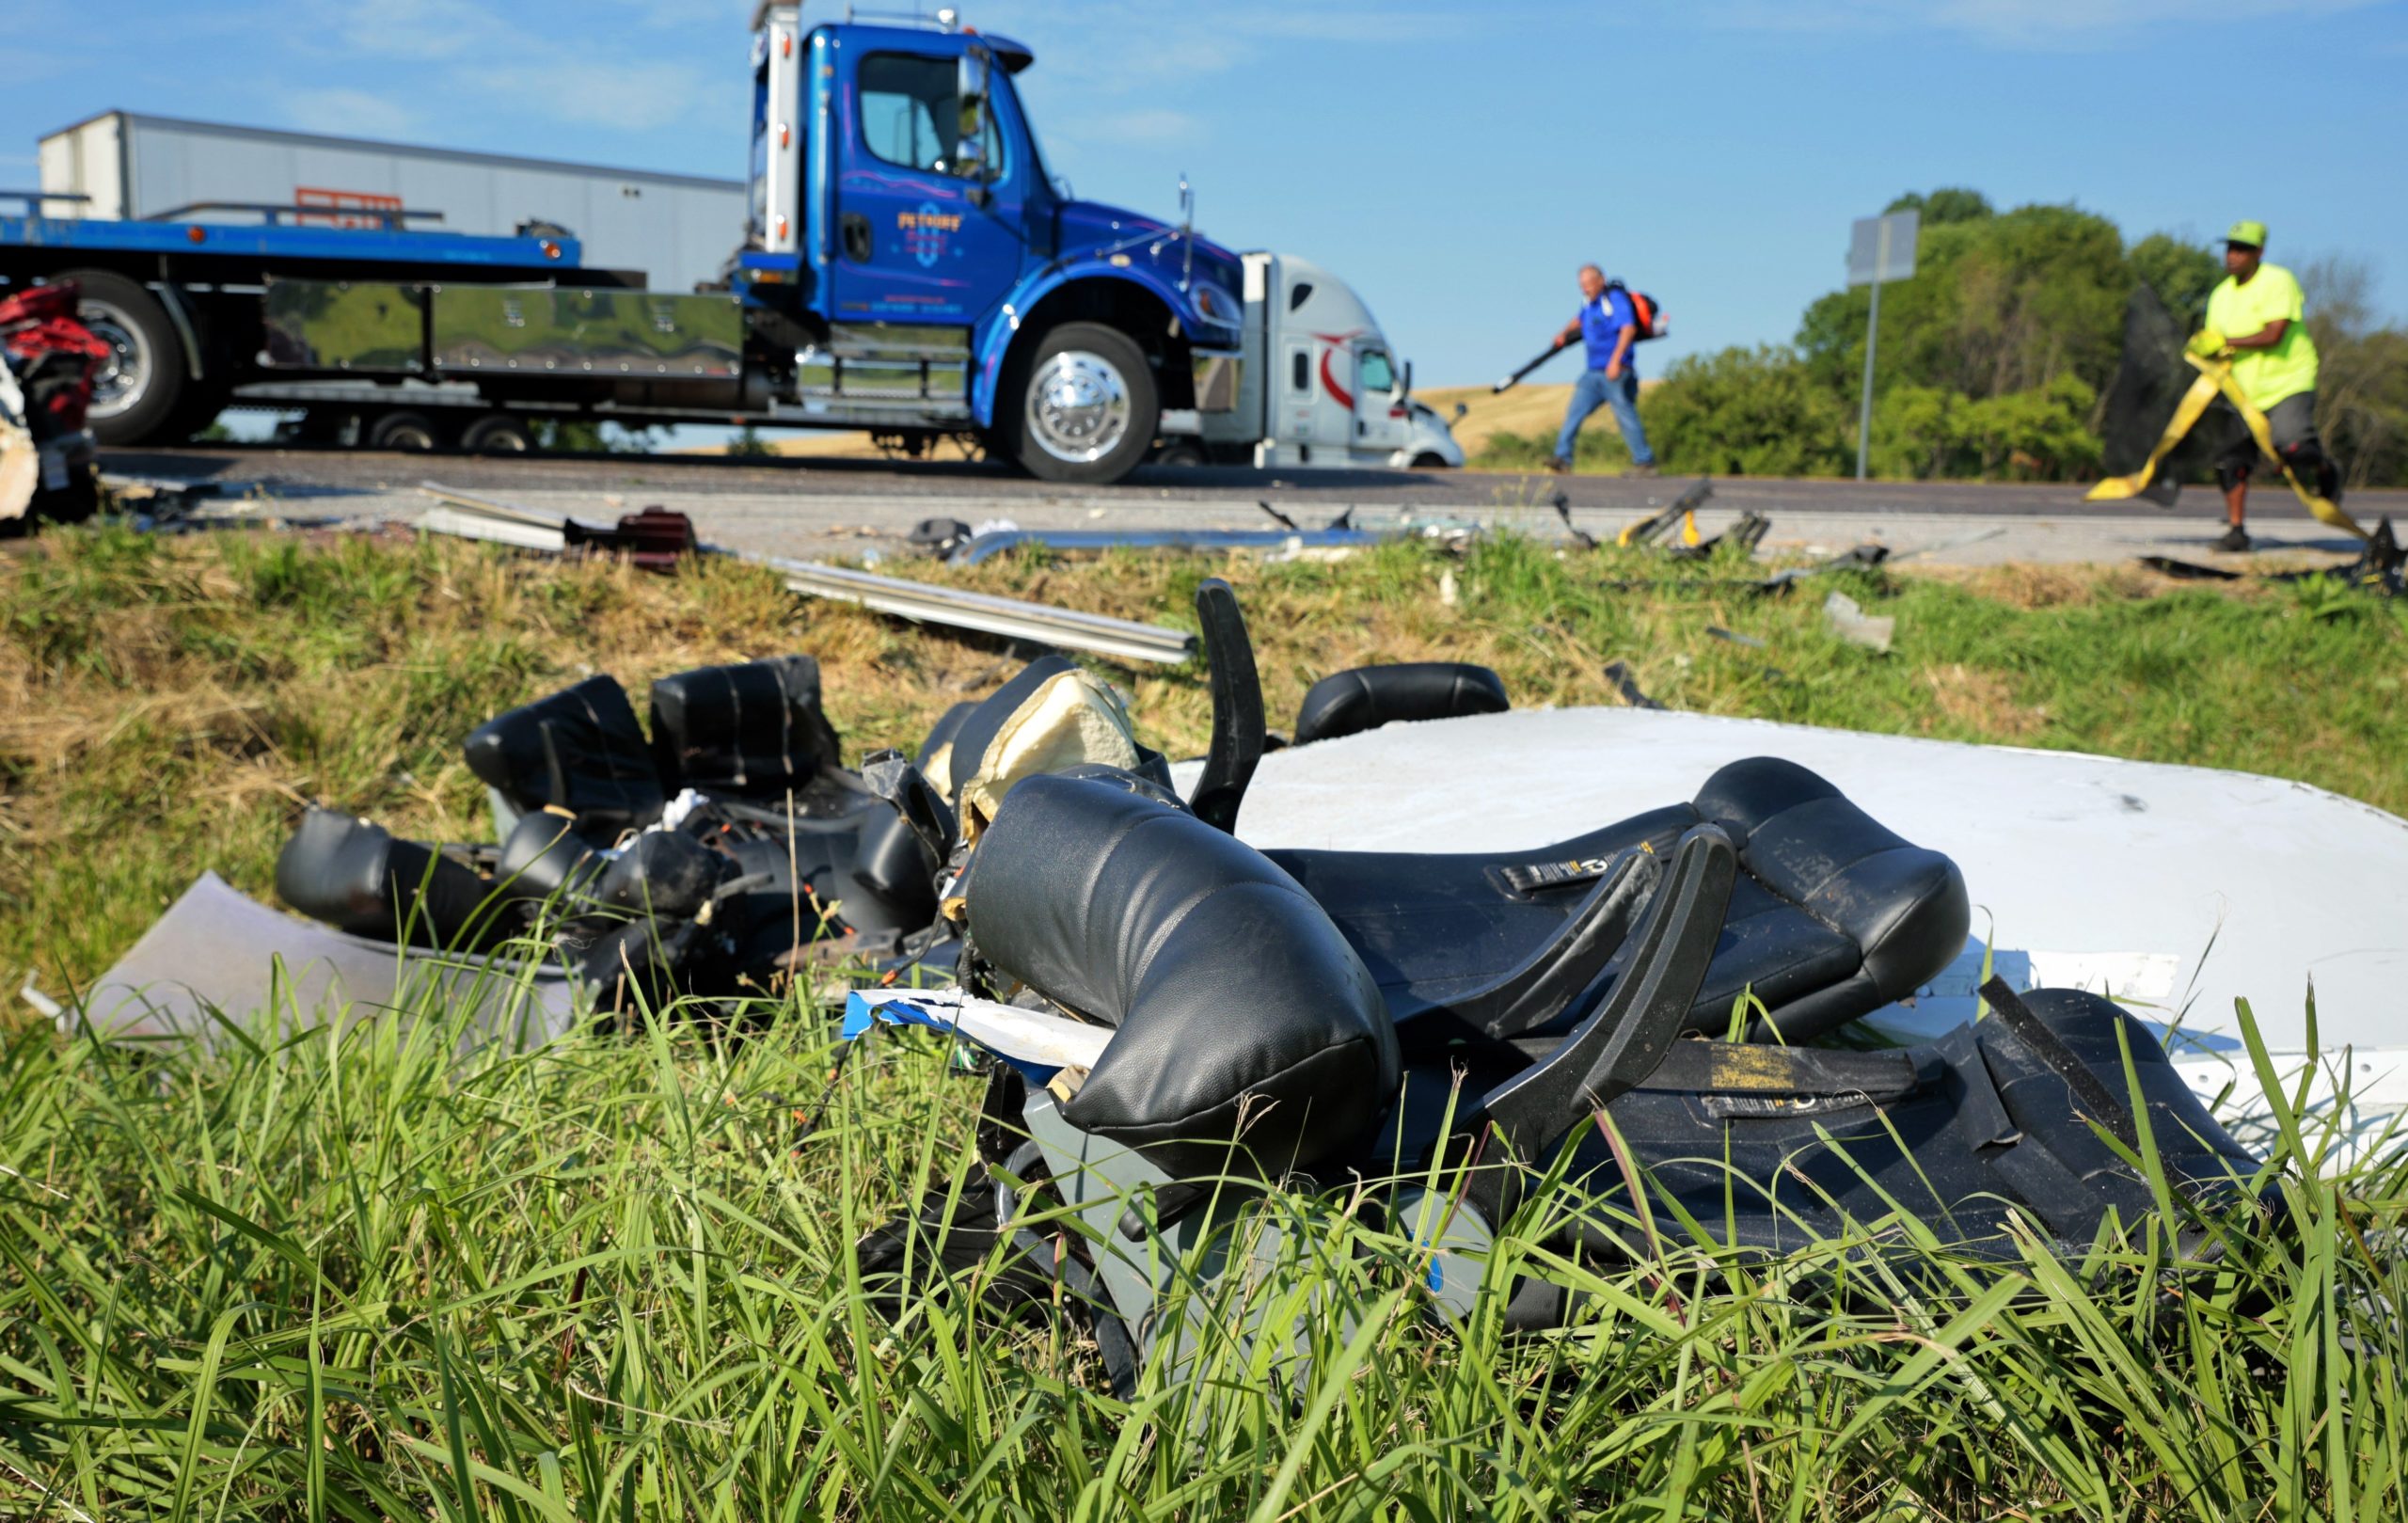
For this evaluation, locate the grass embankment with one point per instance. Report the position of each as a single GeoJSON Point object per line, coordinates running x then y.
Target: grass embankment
{"type": "Point", "coordinates": [167, 705]}
{"type": "Point", "coordinates": [363, 1276]}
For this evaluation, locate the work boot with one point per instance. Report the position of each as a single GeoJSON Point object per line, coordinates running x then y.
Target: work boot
{"type": "Point", "coordinates": [1557, 465]}
{"type": "Point", "coordinates": [2234, 540]}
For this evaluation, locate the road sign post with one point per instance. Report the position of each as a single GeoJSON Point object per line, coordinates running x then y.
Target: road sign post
{"type": "Point", "coordinates": [1879, 248]}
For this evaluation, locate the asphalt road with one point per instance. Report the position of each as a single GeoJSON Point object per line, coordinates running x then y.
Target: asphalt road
{"type": "Point", "coordinates": [808, 507]}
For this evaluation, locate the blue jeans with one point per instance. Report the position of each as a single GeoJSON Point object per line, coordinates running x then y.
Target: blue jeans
{"type": "Point", "coordinates": [1591, 391]}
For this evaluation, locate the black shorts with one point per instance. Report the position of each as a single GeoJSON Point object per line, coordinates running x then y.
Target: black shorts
{"type": "Point", "coordinates": [2292, 422]}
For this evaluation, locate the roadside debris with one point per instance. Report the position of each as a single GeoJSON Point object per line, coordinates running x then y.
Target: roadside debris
{"type": "Point", "coordinates": [217, 959]}
{"type": "Point", "coordinates": [1580, 536]}
{"type": "Point", "coordinates": [1193, 540]}
{"type": "Point", "coordinates": [1747, 533]}
{"type": "Point", "coordinates": [1011, 617]}
{"type": "Point", "coordinates": [48, 361]}
{"type": "Point", "coordinates": [1862, 558]}
{"type": "Point", "coordinates": [1849, 620]}
{"type": "Point", "coordinates": [939, 537]}
{"type": "Point", "coordinates": [657, 539]}
{"type": "Point", "coordinates": [2381, 567]}
{"type": "Point", "coordinates": [2165, 566]}
{"type": "Point", "coordinates": [1682, 508]}
{"type": "Point", "coordinates": [1626, 686]}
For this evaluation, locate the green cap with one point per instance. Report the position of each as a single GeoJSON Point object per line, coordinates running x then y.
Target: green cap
{"type": "Point", "coordinates": [2252, 233]}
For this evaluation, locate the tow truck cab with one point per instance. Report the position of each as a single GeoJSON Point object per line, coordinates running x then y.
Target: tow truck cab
{"type": "Point", "coordinates": [911, 265]}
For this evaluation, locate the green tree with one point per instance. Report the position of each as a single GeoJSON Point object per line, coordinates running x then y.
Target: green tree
{"type": "Point", "coordinates": [1745, 412]}
{"type": "Point", "coordinates": [2362, 376]}
{"type": "Point", "coordinates": [2181, 272]}
{"type": "Point", "coordinates": [1949, 203]}
{"type": "Point", "coordinates": [1998, 304]}
{"type": "Point", "coordinates": [2040, 434]}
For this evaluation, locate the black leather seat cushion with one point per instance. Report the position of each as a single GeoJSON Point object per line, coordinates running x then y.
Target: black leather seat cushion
{"type": "Point", "coordinates": [1242, 1015]}
{"type": "Point", "coordinates": [358, 878]}
{"type": "Point", "coordinates": [1985, 1131]}
{"type": "Point", "coordinates": [579, 750]}
{"type": "Point", "coordinates": [1834, 915]}
{"type": "Point", "coordinates": [1366, 697]}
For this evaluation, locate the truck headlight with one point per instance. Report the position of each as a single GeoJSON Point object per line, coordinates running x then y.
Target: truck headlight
{"type": "Point", "coordinates": [1217, 304]}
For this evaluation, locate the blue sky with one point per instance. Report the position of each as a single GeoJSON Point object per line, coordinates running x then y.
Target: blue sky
{"type": "Point", "coordinates": [1455, 163]}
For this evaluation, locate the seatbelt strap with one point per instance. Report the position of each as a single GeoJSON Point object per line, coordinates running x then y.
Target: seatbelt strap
{"type": "Point", "coordinates": [2216, 375]}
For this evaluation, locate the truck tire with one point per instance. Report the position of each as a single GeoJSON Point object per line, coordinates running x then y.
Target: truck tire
{"type": "Point", "coordinates": [402, 430]}
{"type": "Point", "coordinates": [1085, 406]}
{"type": "Point", "coordinates": [140, 385]}
{"type": "Point", "coordinates": [497, 433]}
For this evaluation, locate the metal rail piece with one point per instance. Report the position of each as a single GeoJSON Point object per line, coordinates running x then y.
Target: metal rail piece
{"type": "Point", "coordinates": [1006, 616]}
{"type": "Point", "coordinates": [474, 517]}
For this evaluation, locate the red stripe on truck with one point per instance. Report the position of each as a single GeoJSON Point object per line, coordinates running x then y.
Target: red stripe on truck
{"type": "Point", "coordinates": [1345, 398]}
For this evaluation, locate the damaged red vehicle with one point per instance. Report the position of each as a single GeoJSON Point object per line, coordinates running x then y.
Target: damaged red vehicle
{"type": "Point", "coordinates": [46, 448]}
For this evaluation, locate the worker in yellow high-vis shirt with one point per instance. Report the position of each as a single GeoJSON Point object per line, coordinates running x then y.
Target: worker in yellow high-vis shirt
{"type": "Point", "coordinates": [2257, 317]}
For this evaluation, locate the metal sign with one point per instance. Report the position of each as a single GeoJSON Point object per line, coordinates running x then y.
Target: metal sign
{"type": "Point", "coordinates": [1879, 248]}
{"type": "Point", "coordinates": [1882, 247]}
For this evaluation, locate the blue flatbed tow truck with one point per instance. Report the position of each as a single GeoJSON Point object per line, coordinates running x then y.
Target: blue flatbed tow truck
{"type": "Point", "coordinates": [908, 266]}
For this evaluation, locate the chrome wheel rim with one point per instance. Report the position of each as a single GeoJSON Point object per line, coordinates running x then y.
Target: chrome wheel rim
{"type": "Point", "coordinates": [124, 377]}
{"type": "Point", "coordinates": [1078, 406]}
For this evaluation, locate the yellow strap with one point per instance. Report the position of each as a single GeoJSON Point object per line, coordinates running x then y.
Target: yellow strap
{"type": "Point", "coordinates": [2187, 414]}
{"type": "Point", "coordinates": [2216, 375]}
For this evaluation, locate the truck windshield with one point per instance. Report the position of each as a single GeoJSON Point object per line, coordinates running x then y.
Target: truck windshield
{"type": "Point", "coordinates": [911, 112]}
{"type": "Point", "coordinates": [1004, 86]}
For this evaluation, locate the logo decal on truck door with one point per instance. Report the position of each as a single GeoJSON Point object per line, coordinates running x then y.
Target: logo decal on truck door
{"type": "Point", "coordinates": [927, 231]}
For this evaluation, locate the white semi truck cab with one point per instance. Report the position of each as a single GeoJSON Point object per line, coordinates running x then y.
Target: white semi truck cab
{"type": "Point", "coordinates": [1320, 384]}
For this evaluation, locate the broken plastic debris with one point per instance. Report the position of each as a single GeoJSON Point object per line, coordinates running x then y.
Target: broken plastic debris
{"type": "Point", "coordinates": [1852, 624]}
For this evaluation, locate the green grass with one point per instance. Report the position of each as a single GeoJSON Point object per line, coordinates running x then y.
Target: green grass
{"type": "Point", "coordinates": [359, 1274]}
{"type": "Point", "coordinates": [354, 1275]}
{"type": "Point", "coordinates": [1599, 450]}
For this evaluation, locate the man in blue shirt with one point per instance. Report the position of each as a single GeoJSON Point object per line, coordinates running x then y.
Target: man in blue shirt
{"type": "Point", "coordinates": [1607, 326]}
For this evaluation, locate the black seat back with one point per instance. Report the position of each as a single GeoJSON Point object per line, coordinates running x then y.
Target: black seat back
{"type": "Point", "coordinates": [579, 750]}
{"type": "Point", "coordinates": [1249, 1036]}
{"type": "Point", "coordinates": [1902, 906]}
{"type": "Point", "coordinates": [752, 729]}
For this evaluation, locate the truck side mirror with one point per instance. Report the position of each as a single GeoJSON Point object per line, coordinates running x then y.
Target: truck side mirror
{"type": "Point", "coordinates": [1406, 390]}
{"type": "Point", "coordinates": [973, 157]}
